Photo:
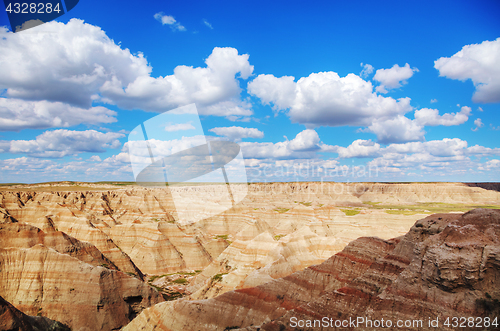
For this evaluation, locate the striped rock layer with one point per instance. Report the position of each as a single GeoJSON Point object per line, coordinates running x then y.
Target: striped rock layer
{"type": "Point", "coordinates": [447, 265]}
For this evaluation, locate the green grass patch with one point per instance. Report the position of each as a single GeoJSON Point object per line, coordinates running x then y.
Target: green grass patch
{"type": "Point", "coordinates": [350, 212]}
{"type": "Point", "coordinates": [218, 277]}
{"type": "Point", "coordinates": [172, 296]}
{"type": "Point", "coordinates": [153, 278]}
{"type": "Point", "coordinates": [159, 289]}
{"type": "Point", "coordinates": [221, 236]}
{"type": "Point", "coordinates": [279, 236]}
{"type": "Point", "coordinates": [427, 208]}
{"type": "Point", "coordinates": [180, 281]}
{"type": "Point", "coordinates": [402, 212]}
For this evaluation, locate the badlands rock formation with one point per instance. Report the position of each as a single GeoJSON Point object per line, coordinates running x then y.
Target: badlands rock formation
{"type": "Point", "coordinates": [59, 277]}
{"type": "Point", "coordinates": [12, 319]}
{"type": "Point", "coordinates": [98, 246]}
{"type": "Point", "coordinates": [447, 265]}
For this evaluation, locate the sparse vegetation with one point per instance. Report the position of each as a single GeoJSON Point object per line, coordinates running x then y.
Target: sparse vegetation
{"type": "Point", "coordinates": [218, 277]}
{"type": "Point", "coordinates": [180, 281]}
{"type": "Point", "coordinates": [308, 204]}
{"type": "Point", "coordinates": [281, 210]}
{"type": "Point", "coordinates": [427, 207]}
{"type": "Point", "coordinates": [172, 296]}
{"type": "Point", "coordinates": [402, 212]}
{"type": "Point", "coordinates": [153, 278]}
{"type": "Point", "coordinates": [159, 289]}
{"type": "Point", "coordinates": [279, 236]}
{"type": "Point", "coordinates": [350, 212]}
{"type": "Point", "coordinates": [221, 236]}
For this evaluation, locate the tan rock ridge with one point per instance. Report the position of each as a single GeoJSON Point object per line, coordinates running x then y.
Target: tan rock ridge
{"type": "Point", "coordinates": [447, 265]}
{"type": "Point", "coordinates": [127, 226]}
{"type": "Point", "coordinates": [60, 287]}
{"type": "Point", "coordinates": [22, 235]}
{"type": "Point", "coordinates": [54, 275]}
{"type": "Point", "coordinates": [61, 237]}
{"type": "Point", "coordinates": [12, 319]}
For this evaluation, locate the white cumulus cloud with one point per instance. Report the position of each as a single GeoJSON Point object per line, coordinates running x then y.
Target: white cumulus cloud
{"type": "Point", "coordinates": [306, 140]}
{"type": "Point", "coordinates": [398, 129]}
{"type": "Point", "coordinates": [237, 132]}
{"type": "Point", "coordinates": [59, 143]}
{"type": "Point", "coordinates": [478, 123]}
{"type": "Point", "coordinates": [360, 148]}
{"type": "Point", "coordinates": [431, 117]}
{"type": "Point", "coordinates": [78, 64]}
{"type": "Point", "coordinates": [367, 70]}
{"type": "Point", "coordinates": [393, 78]}
{"type": "Point", "coordinates": [305, 145]}
{"type": "Point", "coordinates": [69, 65]}
{"type": "Point", "coordinates": [16, 115]}
{"type": "Point", "coordinates": [479, 63]}
{"type": "Point", "coordinates": [326, 99]}
{"type": "Point", "coordinates": [208, 87]}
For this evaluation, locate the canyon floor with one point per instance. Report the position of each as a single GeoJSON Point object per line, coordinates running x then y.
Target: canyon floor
{"type": "Point", "coordinates": [95, 256]}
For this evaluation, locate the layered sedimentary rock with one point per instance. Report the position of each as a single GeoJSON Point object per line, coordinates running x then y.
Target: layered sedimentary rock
{"type": "Point", "coordinates": [447, 265]}
{"type": "Point", "coordinates": [12, 319]}
{"type": "Point", "coordinates": [130, 228]}
{"type": "Point", "coordinates": [53, 275]}
{"type": "Point", "coordinates": [137, 231]}
{"type": "Point", "coordinates": [105, 235]}
{"type": "Point", "coordinates": [39, 280]}
{"type": "Point", "coordinates": [22, 235]}
{"type": "Point", "coordinates": [394, 193]}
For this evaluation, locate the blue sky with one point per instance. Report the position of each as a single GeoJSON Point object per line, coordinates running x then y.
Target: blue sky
{"type": "Point", "coordinates": [408, 90]}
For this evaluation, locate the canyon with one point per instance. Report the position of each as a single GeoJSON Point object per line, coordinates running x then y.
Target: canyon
{"type": "Point", "coordinates": [96, 256]}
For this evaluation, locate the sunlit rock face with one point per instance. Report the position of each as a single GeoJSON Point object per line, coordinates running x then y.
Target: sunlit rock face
{"type": "Point", "coordinates": [50, 274]}
{"type": "Point", "coordinates": [112, 248]}
{"type": "Point", "coordinates": [446, 265]}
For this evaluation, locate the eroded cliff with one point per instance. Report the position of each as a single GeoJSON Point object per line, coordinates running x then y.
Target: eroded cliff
{"type": "Point", "coordinates": [447, 265]}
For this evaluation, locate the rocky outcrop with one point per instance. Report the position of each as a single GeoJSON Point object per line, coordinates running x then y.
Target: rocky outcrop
{"type": "Point", "coordinates": [12, 319]}
{"type": "Point", "coordinates": [39, 280]}
{"type": "Point", "coordinates": [134, 229]}
{"type": "Point", "coordinates": [447, 265]}
{"type": "Point", "coordinates": [99, 235]}
{"type": "Point", "coordinates": [53, 275]}
{"type": "Point", "coordinates": [22, 235]}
